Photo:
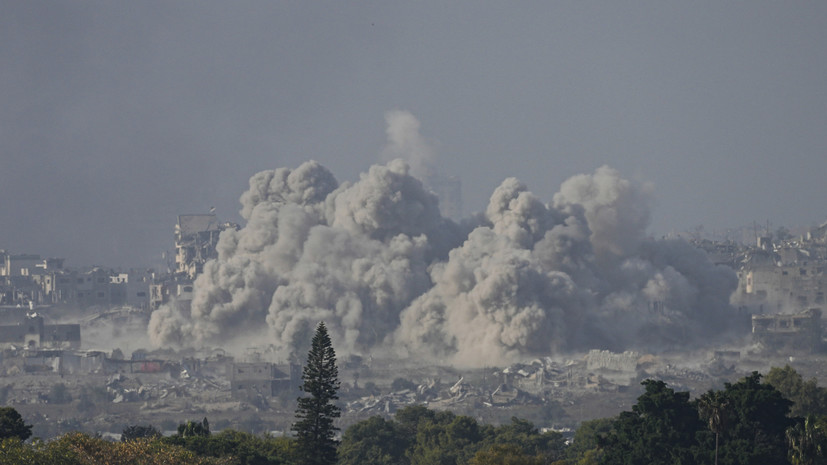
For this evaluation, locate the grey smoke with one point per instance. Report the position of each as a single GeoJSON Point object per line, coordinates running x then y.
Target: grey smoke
{"type": "Point", "coordinates": [405, 142]}
{"type": "Point", "coordinates": [388, 274]}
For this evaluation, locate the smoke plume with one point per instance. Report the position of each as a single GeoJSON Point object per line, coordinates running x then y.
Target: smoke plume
{"type": "Point", "coordinates": [388, 274]}
{"type": "Point", "coordinates": [406, 143]}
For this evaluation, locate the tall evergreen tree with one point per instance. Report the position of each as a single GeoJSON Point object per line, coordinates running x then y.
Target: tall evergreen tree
{"type": "Point", "coordinates": [316, 412]}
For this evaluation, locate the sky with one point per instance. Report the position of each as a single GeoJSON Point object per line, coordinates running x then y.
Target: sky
{"type": "Point", "coordinates": [115, 117]}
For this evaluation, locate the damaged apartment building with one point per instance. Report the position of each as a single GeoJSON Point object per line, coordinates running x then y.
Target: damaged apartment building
{"type": "Point", "coordinates": [784, 278]}
{"type": "Point", "coordinates": [196, 238]}
{"type": "Point", "coordinates": [782, 286]}
{"type": "Point", "coordinates": [799, 332]}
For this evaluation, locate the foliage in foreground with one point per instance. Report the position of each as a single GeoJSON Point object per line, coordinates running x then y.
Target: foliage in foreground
{"type": "Point", "coordinates": [237, 447]}
{"type": "Point", "coordinates": [82, 449]}
{"type": "Point", "coordinates": [747, 423]}
{"type": "Point", "coordinates": [12, 425]}
{"type": "Point", "coordinates": [419, 436]}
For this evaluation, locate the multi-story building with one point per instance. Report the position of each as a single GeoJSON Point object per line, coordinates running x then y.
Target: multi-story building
{"type": "Point", "coordinates": [196, 236]}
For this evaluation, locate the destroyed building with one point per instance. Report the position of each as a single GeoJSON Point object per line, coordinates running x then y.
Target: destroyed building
{"type": "Point", "coordinates": [196, 236]}
{"type": "Point", "coordinates": [796, 332]}
{"type": "Point", "coordinates": [254, 380]}
{"type": "Point", "coordinates": [620, 368]}
{"type": "Point", "coordinates": [787, 277]}
{"type": "Point", "coordinates": [169, 289]}
{"type": "Point", "coordinates": [33, 333]}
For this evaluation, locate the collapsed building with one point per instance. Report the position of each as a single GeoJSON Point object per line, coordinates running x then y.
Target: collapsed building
{"type": "Point", "coordinates": [196, 236]}
{"type": "Point", "coordinates": [796, 332]}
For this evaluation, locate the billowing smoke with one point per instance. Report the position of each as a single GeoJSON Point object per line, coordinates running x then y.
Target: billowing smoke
{"type": "Point", "coordinates": [389, 275]}
{"type": "Point", "coordinates": [405, 142]}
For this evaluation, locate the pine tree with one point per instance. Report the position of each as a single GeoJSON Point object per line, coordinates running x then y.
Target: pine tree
{"type": "Point", "coordinates": [316, 412]}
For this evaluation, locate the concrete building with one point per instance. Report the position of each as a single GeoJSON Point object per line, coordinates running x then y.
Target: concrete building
{"type": "Point", "coordinates": [131, 289]}
{"type": "Point", "coordinates": [33, 333]}
{"type": "Point", "coordinates": [196, 236]}
{"type": "Point", "coordinates": [796, 332]}
{"type": "Point", "coordinates": [168, 290]}
{"type": "Point", "coordinates": [18, 265]}
{"type": "Point", "coordinates": [260, 379]}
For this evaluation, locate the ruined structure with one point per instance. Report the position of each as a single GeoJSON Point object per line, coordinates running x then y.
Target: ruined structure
{"type": "Point", "coordinates": [33, 333]}
{"type": "Point", "coordinates": [787, 277]}
{"type": "Point", "coordinates": [797, 332]}
{"type": "Point", "coordinates": [253, 380]}
{"type": "Point", "coordinates": [196, 236]}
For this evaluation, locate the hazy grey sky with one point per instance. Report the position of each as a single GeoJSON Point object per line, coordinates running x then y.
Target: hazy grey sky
{"type": "Point", "coordinates": [117, 116]}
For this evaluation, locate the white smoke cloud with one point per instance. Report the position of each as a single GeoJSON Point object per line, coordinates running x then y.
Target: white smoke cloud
{"type": "Point", "coordinates": [387, 273]}
{"type": "Point", "coordinates": [406, 143]}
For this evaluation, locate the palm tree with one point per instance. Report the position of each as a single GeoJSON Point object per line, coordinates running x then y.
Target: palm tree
{"type": "Point", "coordinates": [714, 407]}
{"type": "Point", "coordinates": [807, 441]}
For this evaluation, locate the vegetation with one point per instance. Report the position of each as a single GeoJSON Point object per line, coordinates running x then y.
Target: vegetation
{"type": "Point", "coordinates": [133, 432]}
{"type": "Point", "coordinates": [807, 440]}
{"type": "Point", "coordinates": [236, 447]}
{"type": "Point", "coordinates": [748, 422]}
{"type": "Point", "coordinates": [194, 428]}
{"type": "Point", "coordinates": [82, 449]}
{"type": "Point", "coordinates": [807, 397]}
{"type": "Point", "coordinates": [421, 436]}
{"type": "Point", "coordinates": [660, 429]}
{"type": "Point", "coordinates": [12, 425]}
{"type": "Point", "coordinates": [714, 408]}
{"type": "Point", "coordinates": [744, 424]}
{"type": "Point", "coordinates": [315, 413]}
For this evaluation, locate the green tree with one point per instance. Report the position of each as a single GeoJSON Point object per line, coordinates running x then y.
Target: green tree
{"type": "Point", "coordinates": [713, 407]}
{"type": "Point", "coordinates": [756, 434]}
{"type": "Point", "coordinates": [237, 447]}
{"type": "Point", "coordinates": [589, 437]}
{"type": "Point", "coordinates": [660, 429]}
{"type": "Point", "coordinates": [12, 425]}
{"type": "Point", "coordinates": [445, 439]}
{"type": "Point", "coordinates": [194, 428]}
{"type": "Point", "coordinates": [374, 441]}
{"type": "Point", "coordinates": [522, 434]}
{"type": "Point", "coordinates": [504, 454]}
{"type": "Point", "coordinates": [316, 412]}
{"type": "Point", "coordinates": [808, 442]}
{"type": "Point", "coordinates": [807, 397]}
{"type": "Point", "coordinates": [133, 432]}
